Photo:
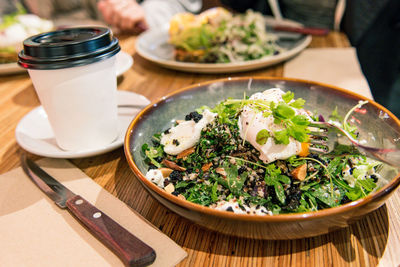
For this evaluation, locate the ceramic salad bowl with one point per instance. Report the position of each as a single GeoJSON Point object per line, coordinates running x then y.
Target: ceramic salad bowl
{"type": "Point", "coordinates": [376, 124]}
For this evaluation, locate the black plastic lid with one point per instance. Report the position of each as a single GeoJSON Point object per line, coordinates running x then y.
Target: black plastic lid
{"type": "Point", "coordinates": [68, 48]}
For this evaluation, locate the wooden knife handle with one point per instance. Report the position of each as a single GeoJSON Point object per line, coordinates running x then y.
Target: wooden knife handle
{"type": "Point", "coordinates": [131, 250]}
{"type": "Point", "coordinates": [303, 30]}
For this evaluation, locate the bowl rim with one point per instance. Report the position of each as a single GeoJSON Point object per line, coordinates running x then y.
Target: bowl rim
{"type": "Point", "coordinates": [290, 217]}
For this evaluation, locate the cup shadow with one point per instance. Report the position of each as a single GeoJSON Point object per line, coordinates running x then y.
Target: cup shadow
{"type": "Point", "coordinates": [27, 97]}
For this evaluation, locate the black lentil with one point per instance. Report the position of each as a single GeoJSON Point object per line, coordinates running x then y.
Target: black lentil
{"type": "Point", "coordinates": [241, 170]}
{"type": "Point", "coordinates": [175, 176]}
{"type": "Point", "coordinates": [175, 142]}
{"type": "Point", "coordinates": [194, 116]}
{"type": "Point", "coordinates": [229, 209]}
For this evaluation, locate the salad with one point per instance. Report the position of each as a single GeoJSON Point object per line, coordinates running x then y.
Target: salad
{"type": "Point", "coordinates": [253, 156]}
{"type": "Point", "coordinates": [218, 36]}
{"type": "Point", "coordinates": [15, 28]}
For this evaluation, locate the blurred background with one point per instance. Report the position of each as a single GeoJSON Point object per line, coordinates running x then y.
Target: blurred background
{"type": "Point", "coordinates": [372, 26]}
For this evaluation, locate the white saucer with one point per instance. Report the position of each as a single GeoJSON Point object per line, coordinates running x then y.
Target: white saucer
{"type": "Point", "coordinates": [34, 134]}
{"type": "Point", "coordinates": [123, 62]}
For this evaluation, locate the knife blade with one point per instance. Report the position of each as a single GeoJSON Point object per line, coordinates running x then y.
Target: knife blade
{"type": "Point", "coordinates": [131, 250]}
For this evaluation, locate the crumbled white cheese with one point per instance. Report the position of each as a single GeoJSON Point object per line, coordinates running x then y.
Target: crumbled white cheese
{"type": "Point", "coordinates": [360, 172]}
{"type": "Point", "coordinates": [348, 177]}
{"type": "Point", "coordinates": [233, 206]}
{"type": "Point", "coordinates": [261, 210]}
{"type": "Point", "coordinates": [155, 176]}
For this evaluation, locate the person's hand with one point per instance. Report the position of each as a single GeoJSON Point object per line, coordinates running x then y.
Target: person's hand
{"type": "Point", "coordinates": [126, 15]}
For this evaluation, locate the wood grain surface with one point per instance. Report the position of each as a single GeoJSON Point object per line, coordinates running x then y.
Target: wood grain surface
{"type": "Point", "coordinates": [372, 241]}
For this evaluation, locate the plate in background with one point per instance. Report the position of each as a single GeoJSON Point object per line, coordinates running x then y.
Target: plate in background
{"type": "Point", "coordinates": [10, 68]}
{"type": "Point", "coordinates": [123, 62]}
{"type": "Point", "coordinates": [153, 45]}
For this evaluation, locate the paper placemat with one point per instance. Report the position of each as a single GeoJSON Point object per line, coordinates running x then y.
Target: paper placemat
{"type": "Point", "coordinates": [34, 231]}
{"type": "Point", "coordinates": [335, 66]}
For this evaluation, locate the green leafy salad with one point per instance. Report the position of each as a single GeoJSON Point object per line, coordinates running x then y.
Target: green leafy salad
{"type": "Point", "coordinates": [252, 156]}
{"type": "Point", "coordinates": [15, 28]}
{"type": "Point", "coordinates": [218, 36]}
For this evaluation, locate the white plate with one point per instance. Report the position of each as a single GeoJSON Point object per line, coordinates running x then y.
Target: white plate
{"type": "Point", "coordinates": [34, 134]}
{"type": "Point", "coordinates": [10, 68]}
{"type": "Point", "coordinates": [153, 46]}
{"type": "Point", "coordinates": [123, 62]}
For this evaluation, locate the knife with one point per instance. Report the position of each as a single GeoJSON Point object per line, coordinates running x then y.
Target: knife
{"type": "Point", "coordinates": [131, 250]}
{"type": "Point", "coordinates": [302, 30]}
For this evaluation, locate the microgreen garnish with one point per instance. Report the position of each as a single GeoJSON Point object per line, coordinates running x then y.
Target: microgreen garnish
{"type": "Point", "coordinates": [335, 115]}
{"type": "Point", "coordinates": [295, 125]}
{"type": "Point", "coordinates": [288, 96]}
{"type": "Point", "coordinates": [262, 137]}
{"type": "Point", "coordinates": [250, 162]}
{"type": "Point", "coordinates": [248, 128]}
{"type": "Point", "coordinates": [284, 114]}
{"type": "Point", "coordinates": [346, 126]}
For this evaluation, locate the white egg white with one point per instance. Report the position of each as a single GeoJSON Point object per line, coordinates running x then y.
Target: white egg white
{"type": "Point", "coordinates": [186, 134]}
{"type": "Point", "coordinates": [252, 121]}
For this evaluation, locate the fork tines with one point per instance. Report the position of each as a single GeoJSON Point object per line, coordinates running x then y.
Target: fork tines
{"type": "Point", "coordinates": [321, 149]}
{"type": "Point", "coordinates": [318, 138]}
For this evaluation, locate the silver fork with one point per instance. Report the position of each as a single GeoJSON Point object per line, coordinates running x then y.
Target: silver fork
{"type": "Point", "coordinates": [325, 136]}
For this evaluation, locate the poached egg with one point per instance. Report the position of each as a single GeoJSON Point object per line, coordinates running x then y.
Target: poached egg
{"type": "Point", "coordinates": [252, 121]}
{"type": "Point", "coordinates": [186, 134]}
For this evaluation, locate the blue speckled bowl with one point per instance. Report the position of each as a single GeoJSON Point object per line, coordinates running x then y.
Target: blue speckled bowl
{"type": "Point", "coordinates": [377, 125]}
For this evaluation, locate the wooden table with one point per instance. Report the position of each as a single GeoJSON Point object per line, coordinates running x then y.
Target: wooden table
{"type": "Point", "coordinates": [372, 240]}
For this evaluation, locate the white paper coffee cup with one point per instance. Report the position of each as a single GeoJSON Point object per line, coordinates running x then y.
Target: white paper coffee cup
{"type": "Point", "coordinates": [78, 91]}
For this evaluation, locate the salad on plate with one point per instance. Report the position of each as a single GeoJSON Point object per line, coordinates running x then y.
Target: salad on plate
{"type": "Point", "coordinates": [218, 36]}
{"type": "Point", "coordinates": [253, 156]}
{"type": "Point", "coordinates": [14, 29]}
